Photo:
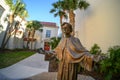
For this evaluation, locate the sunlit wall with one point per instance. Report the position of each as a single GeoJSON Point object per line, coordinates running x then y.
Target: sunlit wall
{"type": "Point", "coordinates": [100, 24]}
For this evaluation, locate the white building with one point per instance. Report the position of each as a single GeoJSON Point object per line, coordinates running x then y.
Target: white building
{"type": "Point", "coordinates": [100, 24]}
{"type": "Point", "coordinates": [42, 38]}
{"type": "Point", "coordinates": [50, 30]}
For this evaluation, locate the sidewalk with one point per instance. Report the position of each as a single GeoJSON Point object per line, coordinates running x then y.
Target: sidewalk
{"type": "Point", "coordinates": [53, 76]}
{"type": "Point", "coordinates": [28, 67]}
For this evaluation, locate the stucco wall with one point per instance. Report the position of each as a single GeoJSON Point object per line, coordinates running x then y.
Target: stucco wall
{"type": "Point", "coordinates": [54, 32]}
{"type": "Point", "coordinates": [99, 24]}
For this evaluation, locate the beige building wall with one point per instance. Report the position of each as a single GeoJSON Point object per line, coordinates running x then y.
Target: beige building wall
{"type": "Point", "coordinates": [100, 24]}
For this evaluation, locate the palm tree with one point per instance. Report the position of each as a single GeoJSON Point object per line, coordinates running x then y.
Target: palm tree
{"type": "Point", "coordinates": [58, 10]}
{"type": "Point", "coordinates": [17, 8]}
{"type": "Point", "coordinates": [71, 5]}
{"type": "Point", "coordinates": [32, 27]}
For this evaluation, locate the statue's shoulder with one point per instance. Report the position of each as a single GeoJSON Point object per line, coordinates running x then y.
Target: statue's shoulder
{"type": "Point", "coordinates": [75, 38]}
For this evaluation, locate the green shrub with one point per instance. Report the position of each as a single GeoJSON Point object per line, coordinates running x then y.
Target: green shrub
{"type": "Point", "coordinates": [95, 49]}
{"type": "Point", "coordinates": [54, 42]}
{"type": "Point", "coordinates": [111, 65]}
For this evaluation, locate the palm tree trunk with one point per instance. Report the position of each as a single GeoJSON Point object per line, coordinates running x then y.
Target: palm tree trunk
{"type": "Point", "coordinates": [5, 43]}
{"type": "Point", "coordinates": [61, 24]}
{"type": "Point", "coordinates": [72, 20]}
{"type": "Point", "coordinates": [28, 41]}
{"type": "Point", "coordinates": [9, 27]}
{"type": "Point", "coordinates": [5, 35]}
{"type": "Point", "coordinates": [60, 20]}
{"type": "Point", "coordinates": [11, 18]}
{"type": "Point", "coordinates": [32, 38]}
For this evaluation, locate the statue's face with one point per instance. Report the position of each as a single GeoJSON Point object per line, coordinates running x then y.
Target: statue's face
{"type": "Point", "coordinates": [66, 29]}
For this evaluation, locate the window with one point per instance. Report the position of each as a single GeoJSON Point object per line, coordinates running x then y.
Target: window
{"type": "Point", "coordinates": [48, 33]}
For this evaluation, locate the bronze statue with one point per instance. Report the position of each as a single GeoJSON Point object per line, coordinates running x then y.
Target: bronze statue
{"type": "Point", "coordinates": [70, 52]}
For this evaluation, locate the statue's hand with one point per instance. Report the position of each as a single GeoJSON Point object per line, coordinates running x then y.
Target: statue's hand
{"type": "Point", "coordinates": [96, 58]}
{"type": "Point", "coordinates": [52, 55]}
{"type": "Point", "coordinates": [41, 51]}
{"type": "Point", "coordinates": [50, 52]}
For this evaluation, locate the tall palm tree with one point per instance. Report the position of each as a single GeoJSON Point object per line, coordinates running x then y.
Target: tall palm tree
{"type": "Point", "coordinates": [17, 8]}
{"type": "Point", "coordinates": [71, 5]}
{"type": "Point", "coordinates": [58, 10]}
{"type": "Point", "coordinates": [32, 27]}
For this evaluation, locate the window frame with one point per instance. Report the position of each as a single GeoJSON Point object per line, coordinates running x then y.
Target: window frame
{"type": "Point", "coordinates": [48, 33]}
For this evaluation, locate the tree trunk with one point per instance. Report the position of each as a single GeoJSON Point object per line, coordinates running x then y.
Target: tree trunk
{"type": "Point", "coordinates": [72, 20]}
{"type": "Point", "coordinates": [6, 39]}
{"type": "Point", "coordinates": [5, 35]}
{"type": "Point", "coordinates": [61, 24]}
{"type": "Point", "coordinates": [32, 40]}
{"type": "Point", "coordinates": [11, 18]}
{"type": "Point", "coordinates": [27, 45]}
{"type": "Point", "coordinates": [10, 24]}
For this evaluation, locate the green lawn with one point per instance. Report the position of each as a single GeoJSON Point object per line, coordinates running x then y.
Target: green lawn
{"type": "Point", "coordinates": [12, 57]}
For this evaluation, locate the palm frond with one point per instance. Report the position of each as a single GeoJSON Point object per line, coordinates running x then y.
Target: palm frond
{"type": "Point", "coordinates": [83, 4]}
{"type": "Point", "coordinates": [52, 10]}
{"type": "Point", "coordinates": [9, 3]}
{"type": "Point", "coordinates": [34, 24]}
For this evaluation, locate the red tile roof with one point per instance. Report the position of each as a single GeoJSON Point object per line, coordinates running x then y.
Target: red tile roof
{"type": "Point", "coordinates": [49, 24]}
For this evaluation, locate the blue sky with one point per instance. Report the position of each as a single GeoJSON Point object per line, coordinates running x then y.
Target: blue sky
{"type": "Point", "coordinates": [39, 10]}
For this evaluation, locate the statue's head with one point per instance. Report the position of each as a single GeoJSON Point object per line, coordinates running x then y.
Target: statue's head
{"type": "Point", "coordinates": [66, 28]}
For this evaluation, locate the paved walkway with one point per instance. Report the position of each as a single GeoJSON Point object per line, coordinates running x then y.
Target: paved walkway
{"type": "Point", "coordinates": [53, 76]}
{"type": "Point", "coordinates": [28, 67]}
{"type": "Point", "coordinates": [32, 68]}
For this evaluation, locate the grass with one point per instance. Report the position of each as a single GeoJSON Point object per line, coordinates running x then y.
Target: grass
{"type": "Point", "coordinates": [12, 57]}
